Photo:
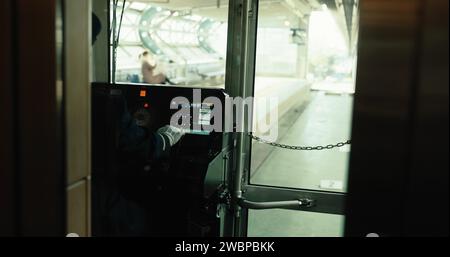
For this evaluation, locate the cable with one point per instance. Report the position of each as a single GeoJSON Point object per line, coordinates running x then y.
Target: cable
{"type": "Point", "coordinates": [120, 22]}
{"type": "Point", "coordinates": [116, 38]}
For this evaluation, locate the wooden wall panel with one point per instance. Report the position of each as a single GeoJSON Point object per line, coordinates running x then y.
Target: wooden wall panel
{"type": "Point", "coordinates": [77, 208]}
{"type": "Point", "coordinates": [40, 173]}
{"type": "Point", "coordinates": [398, 179]}
{"type": "Point", "coordinates": [77, 88]}
{"type": "Point", "coordinates": [428, 181]}
{"type": "Point", "coordinates": [78, 112]}
{"type": "Point", "coordinates": [7, 155]}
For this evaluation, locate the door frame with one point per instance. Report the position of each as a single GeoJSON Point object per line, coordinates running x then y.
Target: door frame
{"type": "Point", "coordinates": [32, 152]}
{"type": "Point", "coordinates": [8, 214]}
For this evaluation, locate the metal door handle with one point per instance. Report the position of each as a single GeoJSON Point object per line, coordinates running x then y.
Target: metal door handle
{"type": "Point", "coordinates": [276, 204]}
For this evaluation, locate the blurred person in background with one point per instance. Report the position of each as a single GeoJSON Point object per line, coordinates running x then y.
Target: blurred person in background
{"type": "Point", "coordinates": [150, 73]}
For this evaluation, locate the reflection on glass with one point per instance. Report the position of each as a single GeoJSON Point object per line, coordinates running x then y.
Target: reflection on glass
{"type": "Point", "coordinates": [186, 43]}
{"type": "Point", "coordinates": [306, 62]}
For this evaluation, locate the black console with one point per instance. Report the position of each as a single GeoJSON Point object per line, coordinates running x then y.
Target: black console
{"type": "Point", "coordinates": [135, 196]}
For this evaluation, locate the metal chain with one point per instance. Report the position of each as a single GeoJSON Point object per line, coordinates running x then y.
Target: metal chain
{"type": "Point", "coordinates": [296, 147]}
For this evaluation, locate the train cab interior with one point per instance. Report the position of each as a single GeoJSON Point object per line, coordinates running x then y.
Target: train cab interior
{"type": "Point", "coordinates": [189, 46]}
{"type": "Point", "coordinates": [224, 118]}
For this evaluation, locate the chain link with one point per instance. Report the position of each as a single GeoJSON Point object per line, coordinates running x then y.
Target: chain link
{"type": "Point", "coordinates": [296, 147]}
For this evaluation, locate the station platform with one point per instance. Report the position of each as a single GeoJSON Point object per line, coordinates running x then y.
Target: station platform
{"type": "Point", "coordinates": [324, 119]}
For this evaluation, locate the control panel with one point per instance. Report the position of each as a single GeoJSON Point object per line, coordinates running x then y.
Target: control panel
{"type": "Point", "coordinates": [167, 194]}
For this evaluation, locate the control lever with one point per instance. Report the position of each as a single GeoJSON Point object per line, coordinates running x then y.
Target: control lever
{"type": "Point", "coordinates": [300, 203]}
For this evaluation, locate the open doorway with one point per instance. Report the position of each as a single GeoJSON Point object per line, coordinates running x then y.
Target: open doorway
{"type": "Point", "coordinates": [306, 59]}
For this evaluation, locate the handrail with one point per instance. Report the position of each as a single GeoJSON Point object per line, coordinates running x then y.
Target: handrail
{"type": "Point", "coordinates": [275, 204]}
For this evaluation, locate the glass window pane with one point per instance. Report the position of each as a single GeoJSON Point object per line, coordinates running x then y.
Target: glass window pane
{"type": "Point", "coordinates": [288, 223]}
{"type": "Point", "coordinates": [171, 35]}
{"type": "Point", "coordinates": [306, 63]}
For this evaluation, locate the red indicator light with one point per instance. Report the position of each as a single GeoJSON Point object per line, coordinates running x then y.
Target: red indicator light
{"type": "Point", "coordinates": [143, 93]}
{"type": "Point", "coordinates": [146, 105]}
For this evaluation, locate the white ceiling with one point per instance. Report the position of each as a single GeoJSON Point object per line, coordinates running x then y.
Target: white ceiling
{"type": "Point", "coordinates": [184, 4]}
{"type": "Point", "coordinates": [272, 13]}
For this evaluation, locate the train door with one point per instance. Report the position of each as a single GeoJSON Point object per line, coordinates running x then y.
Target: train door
{"type": "Point", "coordinates": [291, 159]}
